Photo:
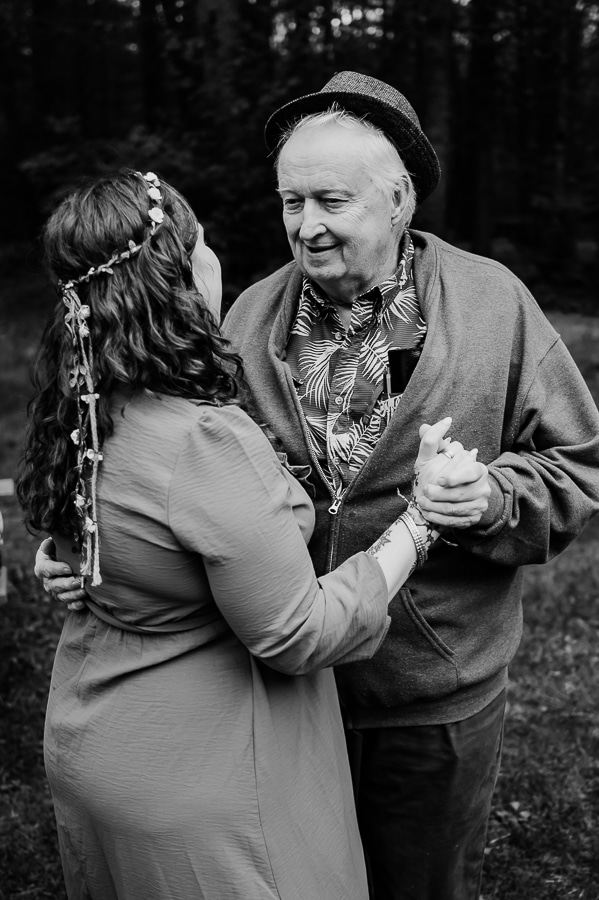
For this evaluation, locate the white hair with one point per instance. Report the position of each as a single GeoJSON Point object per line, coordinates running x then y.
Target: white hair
{"type": "Point", "coordinates": [379, 155]}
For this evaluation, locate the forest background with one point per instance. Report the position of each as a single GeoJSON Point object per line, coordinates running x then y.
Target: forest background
{"type": "Point", "coordinates": [508, 93]}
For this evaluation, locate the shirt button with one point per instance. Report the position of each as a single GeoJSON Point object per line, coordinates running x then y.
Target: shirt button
{"type": "Point", "coordinates": [338, 335]}
{"type": "Point", "coordinates": [338, 400]}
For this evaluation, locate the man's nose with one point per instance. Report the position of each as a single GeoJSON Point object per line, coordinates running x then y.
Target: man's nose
{"type": "Point", "coordinates": [312, 224]}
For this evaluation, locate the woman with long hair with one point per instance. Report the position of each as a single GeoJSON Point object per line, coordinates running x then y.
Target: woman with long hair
{"type": "Point", "coordinates": [193, 741]}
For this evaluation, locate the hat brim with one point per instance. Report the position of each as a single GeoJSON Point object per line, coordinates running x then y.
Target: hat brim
{"type": "Point", "coordinates": [412, 144]}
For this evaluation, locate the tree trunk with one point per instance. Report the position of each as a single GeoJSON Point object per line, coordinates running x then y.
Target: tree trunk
{"type": "Point", "coordinates": [434, 74]}
{"type": "Point", "coordinates": [152, 62]}
{"type": "Point", "coordinates": [481, 86]}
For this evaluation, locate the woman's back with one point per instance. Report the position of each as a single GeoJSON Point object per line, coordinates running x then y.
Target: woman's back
{"type": "Point", "coordinates": [152, 572]}
{"type": "Point", "coordinates": [180, 766]}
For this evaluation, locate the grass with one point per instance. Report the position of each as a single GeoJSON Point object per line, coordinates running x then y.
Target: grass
{"type": "Point", "coordinates": [543, 832]}
{"type": "Point", "coordinates": [542, 840]}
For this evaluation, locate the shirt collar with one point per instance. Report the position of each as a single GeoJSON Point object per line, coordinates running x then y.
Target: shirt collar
{"type": "Point", "coordinates": [372, 303]}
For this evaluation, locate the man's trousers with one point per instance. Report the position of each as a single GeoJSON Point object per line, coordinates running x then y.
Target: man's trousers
{"type": "Point", "coordinates": [423, 798]}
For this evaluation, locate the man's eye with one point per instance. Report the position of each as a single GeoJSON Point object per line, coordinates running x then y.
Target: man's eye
{"type": "Point", "coordinates": [334, 202]}
{"type": "Point", "coordinates": [292, 203]}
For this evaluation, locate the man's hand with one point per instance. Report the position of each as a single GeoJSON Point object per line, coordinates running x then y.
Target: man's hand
{"type": "Point", "coordinates": [458, 495]}
{"type": "Point", "coordinates": [57, 577]}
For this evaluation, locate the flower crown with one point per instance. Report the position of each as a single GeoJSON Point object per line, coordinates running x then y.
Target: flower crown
{"type": "Point", "coordinates": [156, 214]}
{"type": "Point", "coordinates": [85, 436]}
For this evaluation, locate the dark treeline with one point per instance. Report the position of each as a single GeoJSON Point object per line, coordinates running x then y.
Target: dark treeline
{"type": "Point", "coordinates": [507, 90]}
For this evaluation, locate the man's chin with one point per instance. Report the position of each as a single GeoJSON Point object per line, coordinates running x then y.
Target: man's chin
{"type": "Point", "coordinates": [320, 268]}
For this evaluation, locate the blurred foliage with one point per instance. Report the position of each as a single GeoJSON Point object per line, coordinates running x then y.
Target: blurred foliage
{"type": "Point", "coordinates": [543, 832]}
{"type": "Point", "coordinates": [29, 859]}
{"type": "Point", "coordinates": [506, 89]}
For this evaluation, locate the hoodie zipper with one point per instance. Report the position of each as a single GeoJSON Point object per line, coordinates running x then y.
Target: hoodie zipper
{"type": "Point", "coordinates": [337, 496]}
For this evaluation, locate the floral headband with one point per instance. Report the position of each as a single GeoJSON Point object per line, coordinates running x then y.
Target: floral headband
{"type": "Point", "coordinates": [156, 214]}
{"type": "Point", "coordinates": [85, 436]}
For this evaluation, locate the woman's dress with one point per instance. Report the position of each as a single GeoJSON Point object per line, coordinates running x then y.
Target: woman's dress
{"type": "Point", "coordinates": [209, 762]}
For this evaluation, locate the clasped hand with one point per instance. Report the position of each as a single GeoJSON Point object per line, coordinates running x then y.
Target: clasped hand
{"type": "Point", "coordinates": [450, 486]}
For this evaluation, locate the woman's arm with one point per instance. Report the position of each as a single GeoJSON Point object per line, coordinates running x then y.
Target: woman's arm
{"type": "Point", "coordinates": [230, 504]}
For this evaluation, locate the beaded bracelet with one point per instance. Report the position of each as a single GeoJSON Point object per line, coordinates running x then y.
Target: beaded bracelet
{"type": "Point", "coordinates": [431, 534]}
{"type": "Point", "coordinates": [421, 548]}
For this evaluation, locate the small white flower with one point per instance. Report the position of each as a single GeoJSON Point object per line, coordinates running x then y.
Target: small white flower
{"type": "Point", "coordinates": [75, 436]}
{"type": "Point", "coordinates": [79, 501]}
{"type": "Point", "coordinates": [85, 312]}
{"type": "Point", "coordinates": [154, 193]}
{"type": "Point", "coordinates": [156, 214]}
{"type": "Point", "coordinates": [149, 176]}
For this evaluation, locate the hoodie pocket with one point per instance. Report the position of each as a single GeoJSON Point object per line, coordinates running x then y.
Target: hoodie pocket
{"type": "Point", "coordinates": [420, 623]}
{"type": "Point", "coordinates": [414, 662]}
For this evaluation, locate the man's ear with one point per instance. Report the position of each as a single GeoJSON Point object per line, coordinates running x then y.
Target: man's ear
{"type": "Point", "coordinates": [400, 201]}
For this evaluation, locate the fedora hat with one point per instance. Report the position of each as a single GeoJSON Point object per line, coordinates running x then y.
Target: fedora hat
{"type": "Point", "coordinates": [382, 105]}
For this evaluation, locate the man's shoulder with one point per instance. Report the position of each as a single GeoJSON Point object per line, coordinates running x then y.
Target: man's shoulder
{"type": "Point", "coordinates": [429, 247]}
{"type": "Point", "coordinates": [477, 287]}
{"type": "Point", "coordinates": [271, 284]}
{"type": "Point", "coordinates": [258, 306]}
{"type": "Point", "coordinates": [454, 271]}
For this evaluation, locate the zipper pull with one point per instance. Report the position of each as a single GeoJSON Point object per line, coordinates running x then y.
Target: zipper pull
{"type": "Point", "coordinates": [333, 508]}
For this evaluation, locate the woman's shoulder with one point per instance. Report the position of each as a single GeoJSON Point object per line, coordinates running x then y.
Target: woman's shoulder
{"type": "Point", "coordinates": [230, 426]}
{"type": "Point", "coordinates": [159, 426]}
{"type": "Point", "coordinates": [226, 466]}
{"type": "Point", "coordinates": [174, 421]}
{"type": "Point", "coordinates": [163, 410]}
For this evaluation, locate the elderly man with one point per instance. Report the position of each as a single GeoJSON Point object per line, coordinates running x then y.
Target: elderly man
{"type": "Point", "coordinates": [372, 329]}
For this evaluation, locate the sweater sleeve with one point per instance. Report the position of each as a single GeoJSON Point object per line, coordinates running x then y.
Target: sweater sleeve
{"type": "Point", "coordinates": [230, 502]}
{"type": "Point", "coordinates": [546, 488]}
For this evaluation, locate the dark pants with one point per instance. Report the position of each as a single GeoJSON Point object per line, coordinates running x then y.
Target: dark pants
{"type": "Point", "coordinates": [424, 797]}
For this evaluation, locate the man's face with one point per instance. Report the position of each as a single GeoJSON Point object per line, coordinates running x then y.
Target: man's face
{"type": "Point", "coordinates": [338, 222]}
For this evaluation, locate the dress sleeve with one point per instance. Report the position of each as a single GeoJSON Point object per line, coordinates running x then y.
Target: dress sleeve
{"type": "Point", "coordinates": [230, 502]}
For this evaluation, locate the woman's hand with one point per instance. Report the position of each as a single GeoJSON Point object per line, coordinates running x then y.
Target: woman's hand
{"type": "Point", "coordinates": [57, 577]}
{"type": "Point", "coordinates": [450, 487]}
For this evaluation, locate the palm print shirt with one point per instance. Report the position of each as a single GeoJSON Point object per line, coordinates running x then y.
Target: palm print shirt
{"type": "Point", "coordinates": [339, 375]}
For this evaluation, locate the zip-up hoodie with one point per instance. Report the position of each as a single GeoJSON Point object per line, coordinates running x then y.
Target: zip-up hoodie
{"type": "Point", "coordinates": [493, 362]}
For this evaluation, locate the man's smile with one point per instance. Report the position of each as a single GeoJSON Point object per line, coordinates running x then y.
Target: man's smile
{"type": "Point", "coordinates": [320, 248]}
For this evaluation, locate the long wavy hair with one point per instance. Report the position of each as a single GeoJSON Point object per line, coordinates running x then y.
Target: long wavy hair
{"type": "Point", "coordinates": [149, 329]}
